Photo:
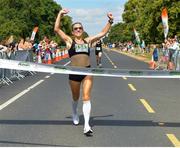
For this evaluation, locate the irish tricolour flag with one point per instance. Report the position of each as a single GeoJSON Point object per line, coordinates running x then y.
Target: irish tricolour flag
{"type": "Point", "coordinates": [165, 21]}
{"type": "Point", "coordinates": [35, 30]}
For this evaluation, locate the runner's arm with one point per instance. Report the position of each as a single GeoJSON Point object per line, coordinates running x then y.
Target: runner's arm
{"type": "Point", "coordinates": [103, 32]}
{"type": "Point", "coordinates": [58, 29]}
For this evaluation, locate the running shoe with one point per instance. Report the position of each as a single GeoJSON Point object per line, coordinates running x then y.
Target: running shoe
{"type": "Point", "coordinates": [75, 119]}
{"type": "Point", "coordinates": [100, 65]}
{"type": "Point", "coordinates": [88, 133]}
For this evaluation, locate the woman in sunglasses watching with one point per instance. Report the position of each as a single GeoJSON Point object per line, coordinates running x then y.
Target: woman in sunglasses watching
{"type": "Point", "coordinates": [79, 52]}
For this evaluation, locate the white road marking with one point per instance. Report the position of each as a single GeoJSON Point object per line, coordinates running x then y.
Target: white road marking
{"type": "Point", "coordinates": [47, 77]}
{"type": "Point", "coordinates": [110, 60]}
{"type": "Point", "coordinates": [13, 99]}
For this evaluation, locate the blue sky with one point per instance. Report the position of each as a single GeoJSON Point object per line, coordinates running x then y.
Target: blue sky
{"type": "Point", "coordinates": [93, 13]}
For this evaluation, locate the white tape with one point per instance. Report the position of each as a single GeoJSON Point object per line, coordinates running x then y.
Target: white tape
{"type": "Point", "coordinates": [28, 66]}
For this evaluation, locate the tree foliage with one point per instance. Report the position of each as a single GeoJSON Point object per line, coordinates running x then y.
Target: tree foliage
{"type": "Point", "coordinates": [145, 16]}
{"type": "Point", "coordinates": [19, 17]}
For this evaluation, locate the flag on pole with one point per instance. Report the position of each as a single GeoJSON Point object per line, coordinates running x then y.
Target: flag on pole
{"type": "Point", "coordinates": [137, 36]}
{"type": "Point", "coordinates": [35, 30]}
{"type": "Point", "coordinates": [165, 21]}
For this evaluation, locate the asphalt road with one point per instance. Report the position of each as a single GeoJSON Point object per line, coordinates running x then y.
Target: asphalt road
{"type": "Point", "coordinates": [36, 110]}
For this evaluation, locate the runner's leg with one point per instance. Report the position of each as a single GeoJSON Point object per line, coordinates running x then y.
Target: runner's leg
{"type": "Point", "coordinates": [87, 86]}
{"type": "Point", "coordinates": [75, 88]}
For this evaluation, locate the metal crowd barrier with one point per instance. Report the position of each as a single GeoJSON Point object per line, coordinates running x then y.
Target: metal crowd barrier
{"type": "Point", "coordinates": [4, 73]}
{"type": "Point", "coordinates": [7, 75]}
{"type": "Point", "coordinates": [177, 59]}
{"type": "Point", "coordinates": [23, 55]}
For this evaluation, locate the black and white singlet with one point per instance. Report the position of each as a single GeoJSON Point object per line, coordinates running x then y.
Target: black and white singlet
{"type": "Point", "coordinates": [79, 49]}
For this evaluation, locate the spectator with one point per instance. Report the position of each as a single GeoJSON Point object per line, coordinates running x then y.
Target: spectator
{"type": "Point", "coordinates": [21, 44]}
{"type": "Point", "coordinates": [155, 54]}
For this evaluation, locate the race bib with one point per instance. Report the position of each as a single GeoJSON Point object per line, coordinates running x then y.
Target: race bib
{"type": "Point", "coordinates": [81, 48]}
{"type": "Point", "coordinates": [98, 48]}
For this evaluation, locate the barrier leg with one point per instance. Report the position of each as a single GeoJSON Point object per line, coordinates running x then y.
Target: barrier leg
{"type": "Point", "coordinates": [8, 80]}
{"type": "Point", "coordinates": [4, 81]}
{"type": "Point", "coordinates": [31, 73]}
{"type": "Point", "coordinates": [19, 75]}
{"type": "Point", "coordinates": [15, 74]}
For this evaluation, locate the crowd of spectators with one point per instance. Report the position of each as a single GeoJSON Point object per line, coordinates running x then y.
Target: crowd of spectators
{"type": "Point", "coordinates": [42, 48]}
{"type": "Point", "coordinates": [45, 47]}
{"type": "Point", "coordinates": [167, 52]}
{"type": "Point", "coordinates": [170, 52]}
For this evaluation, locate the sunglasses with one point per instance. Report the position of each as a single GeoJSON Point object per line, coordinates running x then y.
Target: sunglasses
{"type": "Point", "coordinates": [76, 28]}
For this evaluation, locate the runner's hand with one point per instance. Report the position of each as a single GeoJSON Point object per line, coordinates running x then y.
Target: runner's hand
{"type": "Point", "coordinates": [110, 16]}
{"type": "Point", "coordinates": [64, 11]}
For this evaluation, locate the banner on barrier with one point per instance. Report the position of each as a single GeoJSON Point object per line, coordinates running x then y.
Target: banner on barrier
{"type": "Point", "coordinates": [28, 66]}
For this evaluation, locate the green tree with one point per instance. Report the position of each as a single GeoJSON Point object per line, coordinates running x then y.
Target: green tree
{"type": "Point", "coordinates": [19, 17]}
{"type": "Point", "coordinates": [145, 16]}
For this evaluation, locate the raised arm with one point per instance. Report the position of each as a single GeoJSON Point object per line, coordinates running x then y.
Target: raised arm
{"type": "Point", "coordinates": [58, 30]}
{"type": "Point", "coordinates": [104, 31]}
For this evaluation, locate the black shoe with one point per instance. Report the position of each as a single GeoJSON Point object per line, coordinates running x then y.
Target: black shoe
{"type": "Point", "coordinates": [89, 133]}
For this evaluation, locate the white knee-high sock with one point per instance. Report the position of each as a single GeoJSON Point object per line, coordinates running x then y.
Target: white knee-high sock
{"type": "Point", "coordinates": [74, 107]}
{"type": "Point", "coordinates": [86, 113]}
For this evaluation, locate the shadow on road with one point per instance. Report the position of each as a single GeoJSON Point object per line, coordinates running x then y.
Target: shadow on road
{"type": "Point", "coordinates": [94, 122]}
{"type": "Point", "coordinates": [29, 144]}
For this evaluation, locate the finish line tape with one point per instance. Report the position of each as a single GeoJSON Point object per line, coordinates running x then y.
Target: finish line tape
{"type": "Point", "coordinates": [28, 66]}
